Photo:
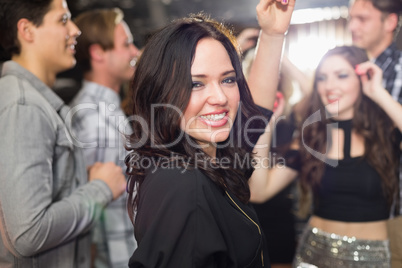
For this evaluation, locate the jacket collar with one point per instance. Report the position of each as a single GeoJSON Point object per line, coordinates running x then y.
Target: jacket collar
{"type": "Point", "coordinates": [13, 68]}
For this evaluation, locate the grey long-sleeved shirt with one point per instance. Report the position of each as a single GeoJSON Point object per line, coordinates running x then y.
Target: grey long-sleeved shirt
{"type": "Point", "coordinates": [46, 204]}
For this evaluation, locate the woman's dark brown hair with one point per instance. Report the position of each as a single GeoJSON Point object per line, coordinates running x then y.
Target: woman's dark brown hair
{"type": "Point", "coordinates": [163, 76]}
{"type": "Point", "coordinates": [369, 121]}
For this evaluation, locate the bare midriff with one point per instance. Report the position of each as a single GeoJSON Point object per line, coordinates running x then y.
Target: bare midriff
{"type": "Point", "coordinates": [374, 230]}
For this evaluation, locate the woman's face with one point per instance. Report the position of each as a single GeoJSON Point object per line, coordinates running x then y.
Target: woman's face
{"type": "Point", "coordinates": [215, 96]}
{"type": "Point", "coordinates": [338, 87]}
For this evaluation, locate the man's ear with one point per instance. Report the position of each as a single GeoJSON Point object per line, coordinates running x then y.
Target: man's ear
{"type": "Point", "coordinates": [96, 52]}
{"type": "Point", "coordinates": [25, 30]}
{"type": "Point", "coordinates": [391, 22]}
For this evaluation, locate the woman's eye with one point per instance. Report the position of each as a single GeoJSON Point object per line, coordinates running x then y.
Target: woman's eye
{"type": "Point", "coordinates": [229, 80]}
{"type": "Point", "coordinates": [197, 85]}
{"type": "Point", "coordinates": [342, 76]}
{"type": "Point", "coordinates": [320, 78]}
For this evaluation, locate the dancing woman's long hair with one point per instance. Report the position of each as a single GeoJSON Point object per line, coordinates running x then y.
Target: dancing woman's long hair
{"type": "Point", "coordinates": [161, 91]}
{"type": "Point", "coordinates": [369, 121]}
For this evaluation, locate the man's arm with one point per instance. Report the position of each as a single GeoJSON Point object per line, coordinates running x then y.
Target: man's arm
{"type": "Point", "coordinates": [34, 214]}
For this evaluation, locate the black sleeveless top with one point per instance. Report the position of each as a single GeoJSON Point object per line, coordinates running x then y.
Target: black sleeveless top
{"type": "Point", "coordinates": [351, 190]}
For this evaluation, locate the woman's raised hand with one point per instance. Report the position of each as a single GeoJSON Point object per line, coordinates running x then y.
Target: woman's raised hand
{"type": "Point", "coordinates": [274, 15]}
{"type": "Point", "coordinates": [371, 77]}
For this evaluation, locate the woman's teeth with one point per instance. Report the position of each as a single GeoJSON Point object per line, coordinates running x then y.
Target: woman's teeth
{"type": "Point", "coordinates": [214, 117]}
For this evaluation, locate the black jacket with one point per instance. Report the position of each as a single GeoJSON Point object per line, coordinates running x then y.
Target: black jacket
{"type": "Point", "coordinates": [185, 220]}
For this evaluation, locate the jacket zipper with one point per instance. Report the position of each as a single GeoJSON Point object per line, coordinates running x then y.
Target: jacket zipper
{"type": "Point", "coordinates": [248, 217]}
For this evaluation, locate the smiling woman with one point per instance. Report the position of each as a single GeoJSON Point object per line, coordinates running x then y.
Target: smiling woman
{"type": "Point", "coordinates": [214, 101]}
{"type": "Point", "coordinates": [191, 158]}
{"type": "Point", "coordinates": [346, 154]}
{"type": "Point", "coordinates": [338, 86]}
{"type": "Point", "coordinates": [189, 205]}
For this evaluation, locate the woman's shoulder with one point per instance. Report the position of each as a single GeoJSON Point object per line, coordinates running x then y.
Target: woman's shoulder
{"type": "Point", "coordinates": [173, 174]}
{"type": "Point", "coordinates": [175, 188]}
{"type": "Point", "coordinates": [178, 181]}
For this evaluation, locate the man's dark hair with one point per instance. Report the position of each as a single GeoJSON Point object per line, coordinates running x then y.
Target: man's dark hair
{"type": "Point", "coordinates": [11, 11]}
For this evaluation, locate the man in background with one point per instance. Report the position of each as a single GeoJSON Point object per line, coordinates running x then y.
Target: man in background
{"type": "Point", "coordinates": [107, 57]}
{"type": "Point", "coordinates": [47, 205]}
{"type": "Point", "coordinates": [374, 25]}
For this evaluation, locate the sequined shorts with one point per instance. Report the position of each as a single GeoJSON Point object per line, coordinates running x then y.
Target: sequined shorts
{"type": "Point", "coordinates": [321, 249]}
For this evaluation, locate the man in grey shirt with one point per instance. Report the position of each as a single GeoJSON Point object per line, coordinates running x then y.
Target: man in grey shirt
{"type": "Point", "coordinates": [47, 205]}
{"type": "Point", "coordinates": [107, 59]}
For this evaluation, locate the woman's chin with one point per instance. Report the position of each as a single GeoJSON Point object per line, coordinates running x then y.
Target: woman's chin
{"type": "Point", "coordinates": [221, 136]}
